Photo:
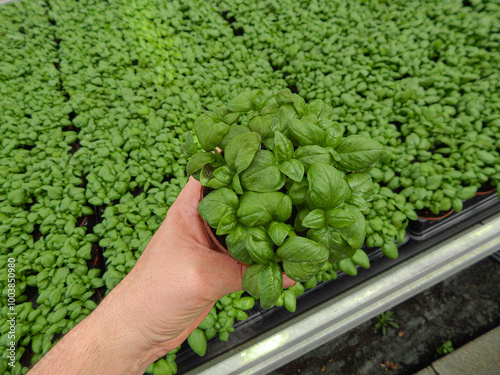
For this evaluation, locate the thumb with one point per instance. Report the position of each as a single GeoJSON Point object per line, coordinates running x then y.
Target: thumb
{"type": "Point", "coordinates": [229, 274]}
{"type": "Point", "coordinates": [189, 197]}
{"type": "Point", "coordinates": [226, 273]}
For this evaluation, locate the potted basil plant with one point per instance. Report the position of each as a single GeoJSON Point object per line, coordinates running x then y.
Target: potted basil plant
{"type": "Point", "coordinates": [284, 191]}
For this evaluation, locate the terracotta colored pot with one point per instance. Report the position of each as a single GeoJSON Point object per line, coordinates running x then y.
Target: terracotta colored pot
{"type": "Point", "coordinates": [433, 218]}
{"type": "Point", "coordinates": [486, 192]}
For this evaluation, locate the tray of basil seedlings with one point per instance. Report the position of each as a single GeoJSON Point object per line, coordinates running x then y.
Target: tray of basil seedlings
{"type": "Point", "coordinates": [422, 228]}
{"type": "Point", "coordinates": [287, 192]}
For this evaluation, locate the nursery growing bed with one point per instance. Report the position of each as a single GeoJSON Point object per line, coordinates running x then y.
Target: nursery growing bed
{"type": "Point", "coordinates": [241, 348]}
{"type": "Point", "coordinates": [373, 85]}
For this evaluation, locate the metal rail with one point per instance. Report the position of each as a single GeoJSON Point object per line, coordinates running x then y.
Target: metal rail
{"type": "Point", "coordinates": [303, 333]}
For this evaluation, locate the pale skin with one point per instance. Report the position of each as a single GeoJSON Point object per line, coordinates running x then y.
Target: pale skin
{"type": "Point", "coordinates": [168, 293]}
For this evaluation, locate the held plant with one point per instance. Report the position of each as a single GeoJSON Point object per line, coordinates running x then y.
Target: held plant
{"type": "Point", "coordinates": [284, 190]}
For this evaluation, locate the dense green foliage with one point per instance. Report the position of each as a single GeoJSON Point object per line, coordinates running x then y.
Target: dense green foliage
{"type": "Point", "coordinates": [96, 96]}
{"type": "Point", "coordinates": [286, 192]}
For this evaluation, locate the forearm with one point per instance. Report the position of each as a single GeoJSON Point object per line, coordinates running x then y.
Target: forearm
{"type": "Point", "coordinates": [97, 345]}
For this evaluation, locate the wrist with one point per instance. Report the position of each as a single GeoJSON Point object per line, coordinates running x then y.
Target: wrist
{"type": "Point", "coordinates": [124, 317]}
{"type": "Point", "coordinates": [119, 326]}
{"type": "Point", "coordinates": [95, 345]}
{"type": "Point", "coordinates": [116, 342]}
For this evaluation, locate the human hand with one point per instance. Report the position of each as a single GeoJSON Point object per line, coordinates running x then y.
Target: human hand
{"type": "Point", "coordinates": [167, 294]}
{"type": "Point", "coordinates": [177, 279]}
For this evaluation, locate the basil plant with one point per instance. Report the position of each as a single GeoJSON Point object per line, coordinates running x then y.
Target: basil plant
{"type": "Point", "coordinates": [286, 192]}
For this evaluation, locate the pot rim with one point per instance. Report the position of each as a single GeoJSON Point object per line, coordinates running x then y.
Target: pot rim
{"type": "Point", "coordinates": [437, 218]}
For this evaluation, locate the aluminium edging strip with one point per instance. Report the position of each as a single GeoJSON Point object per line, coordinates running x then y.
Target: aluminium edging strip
{"type": "Point", "coordinates": [333, 318]}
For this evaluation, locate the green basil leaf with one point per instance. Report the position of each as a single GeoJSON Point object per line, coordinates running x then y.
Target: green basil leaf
{"type": "Point", "coordinates": [259, 100]}
{"type": "Point", "coordinates": [390, 250]}
{"type": "Point", "coordinates": [237, 184]}
{"type": "Point", "coordinates": [235, 242]}
{"type": "Point", "coordinates": [261, 208]}
{"type": "Point", "coordinates": [289, 300]}
{"type": "Point", "coordinates": [297, 225]}
{"type": "Point", "coordinates": [338, 248]}
{"type": "Point", "coordinates": [96, 282]}
{"type": "Point", "coordinates": [412, 141]}
{"type": "Point", "coordinates": [322, 112]}
{"type": "Point", "coordinates": [293, 169]}
{"type": "Point", "coordinates": [456, 203]}
{"type": "Point", "coordinates": [467, 192]}
{"type": "Point", "coordinates": [310, 118]}
{"type": "Point", "coordinates": [188, 148]}
{"type": "Point", "coordinates": [208, 132]}
{"type": "Point", "coordinates": [244, 303]}
{"type": "Point", "coordinates": [234, 131]}
{"type": "Point", "coordinates": [327, 188]}
{"type": "Point", "coordinates": [261, 125]}
{"type": "Point", "coordinates": [360, 258]}
{"type": "Point", "coordinates": [259, 245]}
{"type": "Point", "coordinates": [347, 266]}
{"type": "Point", "coordinates": [263, 174]}
{"type": "Point", "coordinates": [270, 284]}
{"type": "Point", "coordinates": [241, 150]}
{"type": "Point", "coordinates": [314, 108]}
{"type": "Point", "coordinates": [283, 148]}
{"type": "Point", "coordinates": [278, 232]}
{"type": "Point", "coordinates": [333, 135]}
{"type": "Point", "coordinates": [359, 202]}
{"type": "Point", "coordinates": [281, 118]}
{"type": "Point", "coordinates": [56, 192]}
{"type": "Point", "coordinates": [434, 182]}
{"type": "Point", "coordinates": [217, 204]}
{"type": "Point", "coordinates": [355, 233]}
{"type": "Point", "coordinates": [298, 192]}
{"type": "Point", "coordinates": [302, 258]}
{"type": "Point", "coordinates": [334, 153]}
{"type": "Point", "coordinates": [60, 275]}
{"type": "Point", "coordinates": [305, 133]}
{"type": "Point", "coordinates": [297, 289]}
{"type": "Point", "coordinates": [213, 183]}
{"type": "Point", "coordinates": [309, 155]}
{"type": "Point", "coordinates": [225, 115]}
{"type": "Point", "coordinates": [314, 219]}
{"type": "Point", "coordinates": [269, 109]}
{"type": "Point", "coordinates": [360, 184]}
{"type": "Point", "coordinates": [224, 174]}
{"type": "Point", "coordinates": [358, 153]}
{"type": "Point", "coordinates": [242, 102]}
{"type": "Point", "coordinates": [285, 96]}
{"type": "Point", "coordinates": [227, 224]}
{"type": "Point", "coordinates": [206, 175]}
{"type": "Point", "coordinates": [197, 341]}
{"type": "Point", "coordinates": [55, 297]}
{"type": "Point", "coordinates": [486, 157]}
{"type": "Point", "coordinates": [36, 342]}
{"type": "Point", "coordinates": [339, 218]}
{"type": "Point", "coordinates": [250, 281]}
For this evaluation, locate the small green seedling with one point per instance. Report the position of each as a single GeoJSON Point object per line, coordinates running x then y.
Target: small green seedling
{"type": "Point", "coordinates": [446, 348]}
{"type": "Point", "coordinates": [385, 320]}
